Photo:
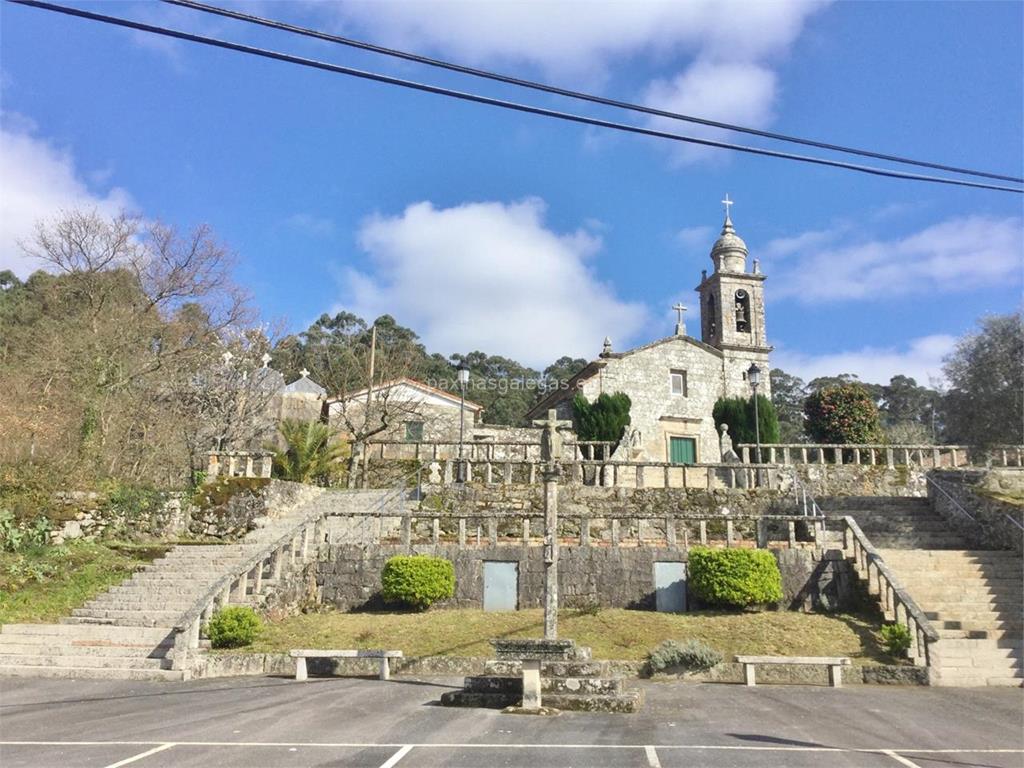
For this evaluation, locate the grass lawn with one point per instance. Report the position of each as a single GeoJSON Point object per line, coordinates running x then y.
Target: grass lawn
{"type": "Point", "coordinates": [610, 633]}
{"type": "Point", "coordinates": [42, 584]}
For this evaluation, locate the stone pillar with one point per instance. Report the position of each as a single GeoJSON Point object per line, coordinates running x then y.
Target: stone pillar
{"type": "Point", "coordinates": [531, 684]}
{"type": "Point", "coordinates": [551, 555]}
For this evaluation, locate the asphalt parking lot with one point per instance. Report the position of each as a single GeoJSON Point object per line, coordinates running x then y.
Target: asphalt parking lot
{"type": "Point", "coordinates": [256, 722]}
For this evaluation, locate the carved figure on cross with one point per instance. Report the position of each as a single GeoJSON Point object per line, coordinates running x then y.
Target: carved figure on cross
{"type": "Point", "coordinates": [551, 443]}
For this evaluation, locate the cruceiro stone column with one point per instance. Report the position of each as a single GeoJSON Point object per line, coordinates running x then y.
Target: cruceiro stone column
{"type": "Point", "coordinates": [551, 446]}
{"type": "Point", "coordinates": [551, 554]}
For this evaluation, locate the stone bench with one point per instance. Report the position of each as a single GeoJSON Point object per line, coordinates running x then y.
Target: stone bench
{"type": "Point", "coordinates": [301, 655]}
{"type": "Point", "coordinates": [834, 664]}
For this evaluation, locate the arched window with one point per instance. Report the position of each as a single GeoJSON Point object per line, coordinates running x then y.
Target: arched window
{"type": "Point", "coordinates": [712, 319]}
{"type": "Point", "coordinates": [742, 311]}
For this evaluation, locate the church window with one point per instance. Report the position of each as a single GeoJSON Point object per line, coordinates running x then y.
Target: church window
{"type": "Point", "coordinates": [712, 320]}
{"type": "Point", "coordinates": [677, 382]}
{"type": "Point", "coordinates": [742, 311]}
{"type": "Point", "coordinates": [414, 431]}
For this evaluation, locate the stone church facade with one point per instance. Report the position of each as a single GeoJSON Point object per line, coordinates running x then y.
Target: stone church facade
{"type": "Point", "coordinates": [674, 382]}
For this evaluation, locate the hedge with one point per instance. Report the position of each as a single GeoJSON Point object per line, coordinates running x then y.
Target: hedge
{"type": "Point", "coordinates": [734, 578]}
{"type": "Point", "coordinates": [233, 627]}
{"type": "Point", "coordinates": [417, 580]}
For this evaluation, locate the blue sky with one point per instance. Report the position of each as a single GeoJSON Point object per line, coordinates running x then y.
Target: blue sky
{"type": "Point", "coordinates": [517, 235]}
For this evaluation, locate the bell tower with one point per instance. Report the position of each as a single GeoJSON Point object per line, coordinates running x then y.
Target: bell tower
{"type": "Point", "coordinates": [731, 298]}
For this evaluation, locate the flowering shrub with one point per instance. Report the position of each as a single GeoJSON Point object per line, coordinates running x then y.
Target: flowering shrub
{"type": "Point", "coordinates": [844, 413]}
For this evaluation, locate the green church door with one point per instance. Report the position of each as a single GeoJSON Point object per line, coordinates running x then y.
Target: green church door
{"type": "Point", "coordinates": [682, 450]}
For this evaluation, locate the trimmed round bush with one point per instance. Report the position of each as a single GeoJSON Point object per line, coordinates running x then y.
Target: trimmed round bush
{"type": "Point", "coordinates": [418, 581]}
{"type": "Point", "coordinates": [734, 578]}
{"type": "Point", "coordinates": [692, 656]}
{"type": "Point", "coordinates": [233, 627]}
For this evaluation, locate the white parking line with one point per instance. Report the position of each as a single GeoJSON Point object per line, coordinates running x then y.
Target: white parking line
{"type": "Point", "coordinates": [139, 756]}
{"type": "Point", "coordinates": [390, 762]}
{"type": "Point", "coordinates": [652, 757]}
{"type": "Point", "coordinates": [900, 759]}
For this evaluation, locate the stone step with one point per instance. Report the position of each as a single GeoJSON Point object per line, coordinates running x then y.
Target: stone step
{"type": "Point", "coordinates": [989, 661]}
{"type": "Point", "coordinates": [83, 661]}
{"type": "Point", "coordinates": [134, 620]}
{"type": "Point", "coordinates": [142, 601]}
{"type": "Point", "coordinates": [113, 634]}
{"type": "Point", "coordinates": [976, 678]}
{"type": "Point", "coordinates": [90, 673]}
{"type": "Point", "coordinates": [971, 605]}
{"type": "Point", "coordinates": [980, 645]}
{"type": "Point", "coordinates": [514, 685]}
{"type": "Point", "coordinates": [951, 633]}
{"type": "Point", "coordinates": [52, 649]}
{"type": "Point", "coordinates": [549, 668]}
{"type": "Point", "coordinates": [626, 702]}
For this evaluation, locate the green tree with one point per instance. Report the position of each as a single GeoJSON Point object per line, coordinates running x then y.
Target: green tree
{"type": "Point", "coordinates": [985, 401]}
{"type": "Point", "coordinates": [605, 419]}
{"type": "Point", "coordinates": [843, 413]}
{"type": "Point", "coordinates": [311, 455]}
{"type": "Point", "coordinates": [738, 413]}
{"type": "Point", "coordinates": [788, 395]}
{"type": "Point", "coordinates": [909, 411]}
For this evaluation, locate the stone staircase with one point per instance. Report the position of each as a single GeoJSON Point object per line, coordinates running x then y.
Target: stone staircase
{"type": "Point", "coordinates": [973, 598]}
{"type": "Point", "coordinates": [128, 632]}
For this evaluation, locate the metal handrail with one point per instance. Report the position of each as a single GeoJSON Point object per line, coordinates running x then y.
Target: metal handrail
{"type": "Point", "coordinates": [960, 508]}
{"type": "Point", "coordinates": [801, 494]}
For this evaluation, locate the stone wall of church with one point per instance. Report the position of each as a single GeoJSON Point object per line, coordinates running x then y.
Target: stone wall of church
{"type": "Point", "coordinates": [656, 412]}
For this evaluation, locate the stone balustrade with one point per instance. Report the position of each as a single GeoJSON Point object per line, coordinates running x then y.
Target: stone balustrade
{"type": "Point", "coordinates": [518, 528]}
{"type": "Point", "coordinates": [484, 450]}
{"type": "Point", "coordinates": [893, 455]}
{"type": "Point", "coordinates": [238, 464]}
{"type": "Point", "coordinates": [896, 604]}
{"type": "Point", "coordinates": [608, 474]}
{"type": "Point", "coordinates": [248, 580]}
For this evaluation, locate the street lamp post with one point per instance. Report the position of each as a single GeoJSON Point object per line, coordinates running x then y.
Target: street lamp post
{"type": "Point", "coordinates": [754, 377]}
{"type": "Point", "coordinates": [463, 376]}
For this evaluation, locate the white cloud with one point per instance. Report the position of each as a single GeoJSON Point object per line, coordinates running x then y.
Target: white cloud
{"type": "Point", "coordinates": [489, 276]}
{"type": "Point", "coordinates": [921, 359]}
{"type": "Point", "coordinates": [39, 179]}
{"type": "Point", "coordinates": [728, 44]}
{"type": "Point", "coordinates": [566, 37]}
{"type": "Point", "coordinates": [732, 92]}
{"type": "Point", "coordinates": [961, 253]}
{"type": "Point", "coordinates": [696, 238]}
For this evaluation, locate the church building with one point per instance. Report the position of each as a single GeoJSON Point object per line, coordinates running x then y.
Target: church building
{"type": "Point", "coordinates": [674, 382]}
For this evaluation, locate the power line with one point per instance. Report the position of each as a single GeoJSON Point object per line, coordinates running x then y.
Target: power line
{"type": "Point", "coordinates": [439, 63]}
{"type": "Point", "coordinates": [475, 98]}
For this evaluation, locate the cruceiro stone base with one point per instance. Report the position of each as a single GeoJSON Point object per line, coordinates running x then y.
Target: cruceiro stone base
{"type": "Point", "coordinates": [569, 680]}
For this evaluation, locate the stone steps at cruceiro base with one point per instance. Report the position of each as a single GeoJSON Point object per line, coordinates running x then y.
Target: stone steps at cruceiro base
{"type": "Point", "coordinates": [570, 680]}
{"type": "Point", "coordinates": [624, 703]}
{"type": "Point", "coordinates": [126, 633]}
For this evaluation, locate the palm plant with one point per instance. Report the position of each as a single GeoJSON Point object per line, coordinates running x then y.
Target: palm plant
{"type": "Point", "coordinates": [310, 456]}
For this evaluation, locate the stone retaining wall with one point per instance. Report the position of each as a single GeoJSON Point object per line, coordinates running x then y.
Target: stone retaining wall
{"type": "Point", "coordinates": [349, 575]}
{"type": "Point", "coordinates": [969, 489]}
{"type": "Point", "coordinates": [231, 664]}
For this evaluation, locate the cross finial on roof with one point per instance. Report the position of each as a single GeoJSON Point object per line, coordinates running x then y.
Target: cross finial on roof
{"type": "Point", "coordinates": [265, 359]}
{"type": "Point", "coordinates": [680, 322]}
{"type": "Point", "coordinates": [304, 373]}
{"type": "Point", "coordinates": [227, 357]}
